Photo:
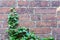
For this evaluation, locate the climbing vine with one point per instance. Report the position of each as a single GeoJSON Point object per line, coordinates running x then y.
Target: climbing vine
{"type": "Point", "coordinates": [18, 33]}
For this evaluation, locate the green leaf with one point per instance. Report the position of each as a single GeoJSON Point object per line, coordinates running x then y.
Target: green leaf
{"type": "Point", "coordinates": [44, 39]}
{"type": "Point", "coordinates": [51, 38]}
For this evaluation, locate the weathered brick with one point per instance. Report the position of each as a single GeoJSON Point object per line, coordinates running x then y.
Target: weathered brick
{"type": "Point", "coordinates": [5, 36]}
{"type": "Point", "coordinates": [39, 4]}
{"type": "Point", "coordinates": [7, 0]}
{"type": "Point", "coordinates": [58, 17]}
{"type": "Point", "coordinates": [5, 24]}
{"type": "Point", "coordinates": [58, 11]}
{"type": "Point", "coordinates": [25, 10]}
{"type": "Point", "coordinates": [23, 3]}
{"type": "Point", "coordinates": [45, 4]}
{"type": "Point", "coordinates": [28, 24]}
{"type": "Point", "coordinates": [58, 37]}
{"type": "Point", "coordinates": [35, 17]}
{"type": "Point", "coordinates": [4, 10]}
{"type": "Point", "coordinates": [51, 24]}
{"type": "Point", "coordinates": [43, 35]}
{"type": "Point", "coordinates": [42, 0]}
{"type": "Point", "coordinates": [7, 3]}
{"type": "Point", "coordinates": [56, 31]}
{"type": "Point", "coordinates": [24, 17]}
{"type": "Point", "coordinates": [0, 36]}
{"type": "Point", "coordinates": [1, 22]}
{"type": "Point", "coordinates": [49, 17]}
{"type": "Point", "coordinates": [21, 10]}
{"type": "Point", "coordinates": [45, 10]}
{"type": "Point", "coordinates": [2, 30]}
{"type": "Point", "coordinates": [41, 24]}
{"type": "Point", "coordinates": [46, 24]}
{"type": "Point", "coordinates": [22, 0]}
{"type": "Point", "coordinates": [34, 4]}
{"type": "Point", "coordinates": [58, 23]}
{"type": "Point", "coordinates": [53, 0]}
{"type": "Point", "coordinates": [55, 3]}
{"type": "Point", "coordinates": [30, 10]}
{"type": "Point", "coordinates": [3, 16]}
{"type": "Point", "coordinates": [41, 30]}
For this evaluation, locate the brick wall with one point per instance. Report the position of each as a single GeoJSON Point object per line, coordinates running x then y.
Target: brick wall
{"type": "Point", "coordinates": [38, 15]}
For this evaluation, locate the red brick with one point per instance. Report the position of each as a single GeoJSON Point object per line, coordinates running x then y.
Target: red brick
{"type": "Point", "coordinates": [58, 17]}
{"type": "Point", "coordinates": [58, 11]}
{"type": "Point", "coordinates": [2, 30]}
{"type": "Point", "coordinates": [41, 24]}
{"type": "Point", "coordinates": [46, 24]}
{"type": "Point", "coordinates": [24, 17]}
{"type": "Point", "coordinates": [5, 24]}
{"type": "Point", "coordinates": [57, 37]}
{"type": "Point", "coordinates": [51, 24]}
{"type": "Point", "coordinates": [20, 10]}
{"type": "Point", "coordinates": [42, 0]}
{"type": "Point", "coordinates": [35, 4]}
{"type": "Point", "coordinates": [58, 23]}
{"type": "Point", "coordinates": [23, 3]}
{"type": "Point", "coordinates": [22, 0]}
{"type": "Point", "coordinates": [7, 3]}
{"type": "Point", "coordinates": [35, 17]}
{"type": "Point", "coordinates": [4, 10]}
{"type": "Point", "coordinates": [30, 10]}
{"type": "Point", "coordinates": [45, 10]}
{"type": "Point", "coordinates": [26, 0]}
{"type": "Point", "coordinates": [1, 22]}
{"type": "Point", "coordinates": [32, 4]}
{"type": "Point", "coordinates": [56, 31]}
{"type": "Point", "coordinates": [27, 24]}
{"type": "Point", "coordinates": [25, 10]}
{"type": "Point", "coordinates": [7, 0]}
{"type": "Point", "coordinates": [3, 16]}
{"type": "Point", "coordinates": [55, 3]}
{"type": "Point", "coordinates": [39, 4]}
{"type": "Point", "coordinates": [43, 36]}
{"type": "Point", "coordinates": [49, 17]}
{"type": "Point", "coordinates": [44, 3]}
{"type": "Point", "coordinates": [5, 36]}
{"type": "Point", "coordinates": [41, 30]}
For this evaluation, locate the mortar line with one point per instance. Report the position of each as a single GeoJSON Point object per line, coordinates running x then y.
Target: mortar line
{"type": "Point", "coordinates": [34, 14]}
{"type": "Point", "coordinates": [56, 19]}
{"type": "Point", "coordinates": [29, 7]}
{"type": "Point", "coordinates": [17, 3]}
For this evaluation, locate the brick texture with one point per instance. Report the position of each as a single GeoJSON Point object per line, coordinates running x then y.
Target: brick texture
{"type": "Point", "coordinates": [40, 4]}
{"type": "Point", "coordinates": [41, 30]}
{"type": "Point", "coordinates": [28, 24]}
{"type": "Point", "coordinates": [23, 3]}
{"type": "Point", "coordinates": [4, 10]}
{"type": "Point", "coordinates": [55, 3]}
{"type": "Point", "coordinates": [7, 3]}
{"type": "Point", "coordinates": [46, 24]}
{"type": "Point", "coordinates": [45, 10]}
{"type": "Point", "coordinates": [39, 16]}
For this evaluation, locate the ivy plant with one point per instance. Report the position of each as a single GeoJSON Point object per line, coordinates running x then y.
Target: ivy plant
{"type": "Point", "coordinates": [18, 33]}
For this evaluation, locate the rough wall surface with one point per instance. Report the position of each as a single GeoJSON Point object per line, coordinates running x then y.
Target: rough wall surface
{"type": "Point", "coordinates": [39, 16]}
